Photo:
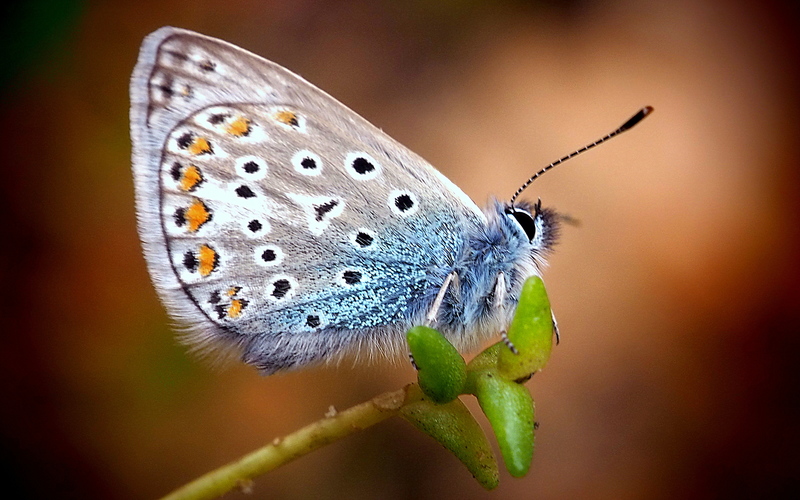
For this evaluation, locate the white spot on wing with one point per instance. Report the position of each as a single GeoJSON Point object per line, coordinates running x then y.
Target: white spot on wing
{"type": "Point", "coordinates": [269, 255]}
{"type": "Point", "coordinates": [319, 210]}
{"type": "Point", "coordinates": [403, 203]}
{"type": "Point", "coordinates": [251, 167]}
{"type": "Point", "coordinates": [361, 166]}
{"type": "Point", "coordinates": [307, 163]}
{"type": "Point", "coordinates": [281, 287]}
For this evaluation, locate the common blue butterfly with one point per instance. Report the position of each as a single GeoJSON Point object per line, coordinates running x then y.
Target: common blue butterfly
{"type": "Point", "coordinates": [279, 225]}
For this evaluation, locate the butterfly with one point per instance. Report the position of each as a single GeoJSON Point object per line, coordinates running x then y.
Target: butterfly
{"type": "Point", "coordinates": [282, 227]}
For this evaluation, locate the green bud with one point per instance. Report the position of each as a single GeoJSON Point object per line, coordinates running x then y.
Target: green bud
{"type": "Point", "coordinates": [442, 371]}
{"type": "Point", "coordinates": [454, 427]}
{"type": "Point", "coordinates": [531, 333]}
{"type": "Point", "coordinates": [509, 408]}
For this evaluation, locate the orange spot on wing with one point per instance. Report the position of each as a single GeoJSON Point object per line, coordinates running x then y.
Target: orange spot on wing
{"type": "Point", "coordinates": [233, 291]}
{"type": "Point", "coordinates": [207, 258]}
{"type": "Point", "coordinates": [191, 178]}
{"type": "Point", "coordinates": [239, 127]}
{"type": "Point", "coordinates": [235, 308]}
{"type": "Point", "coordinates": [199, 146]}
{"type": "Point", "coordinates": [196, 215]}
{"type": "Point", "coordinates": [287, 117]}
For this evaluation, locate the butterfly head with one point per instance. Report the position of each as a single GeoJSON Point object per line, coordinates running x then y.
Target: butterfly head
{"type": "Point", "coordinates": [537, 225]}
{"type": "Point", "coordinates": [540, 225]}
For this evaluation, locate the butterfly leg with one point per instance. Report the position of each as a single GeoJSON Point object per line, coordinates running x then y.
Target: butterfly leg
{"type": "Point", "coordinates": [500, 303]}
{"type": "Point", "coordinates": [555, 326]}
{"type": "Point", "coordinates": [450, 280]}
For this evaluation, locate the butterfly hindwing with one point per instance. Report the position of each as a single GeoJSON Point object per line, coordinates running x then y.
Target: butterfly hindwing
{"type": "Point", "coordinates": [274, 218]}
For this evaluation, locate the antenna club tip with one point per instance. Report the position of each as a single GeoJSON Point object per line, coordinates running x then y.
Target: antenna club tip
{"type": "Point", "coordinates": [636, 118]}
{"type": "Point", "coordinates": [625, 126]}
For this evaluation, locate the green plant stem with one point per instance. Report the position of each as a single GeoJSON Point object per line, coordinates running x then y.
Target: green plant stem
{"type": "Point", "coordinates": [296, 444]}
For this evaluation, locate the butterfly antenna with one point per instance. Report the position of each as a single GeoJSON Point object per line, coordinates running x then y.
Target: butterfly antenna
{"type": "Point", "coordinates": [625, 126]}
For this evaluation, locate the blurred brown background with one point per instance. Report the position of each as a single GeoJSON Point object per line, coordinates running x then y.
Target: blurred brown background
{"type": "Point", "coordinates": [677, 295]}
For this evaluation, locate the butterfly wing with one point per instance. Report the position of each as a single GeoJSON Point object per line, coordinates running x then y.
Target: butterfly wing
{"type": "Point", "coordinates": [275, 220]}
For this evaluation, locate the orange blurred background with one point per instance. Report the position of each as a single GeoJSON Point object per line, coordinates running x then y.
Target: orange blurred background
{"type": "Point", "coordinates": [677, 295]}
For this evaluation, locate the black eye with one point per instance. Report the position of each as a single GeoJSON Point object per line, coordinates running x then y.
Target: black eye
{"type": "Point", "coordinates": [525, 220]}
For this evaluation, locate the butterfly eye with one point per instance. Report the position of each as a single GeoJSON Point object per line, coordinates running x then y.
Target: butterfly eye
{"type": "Point", "coordinates": [524, 219]}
